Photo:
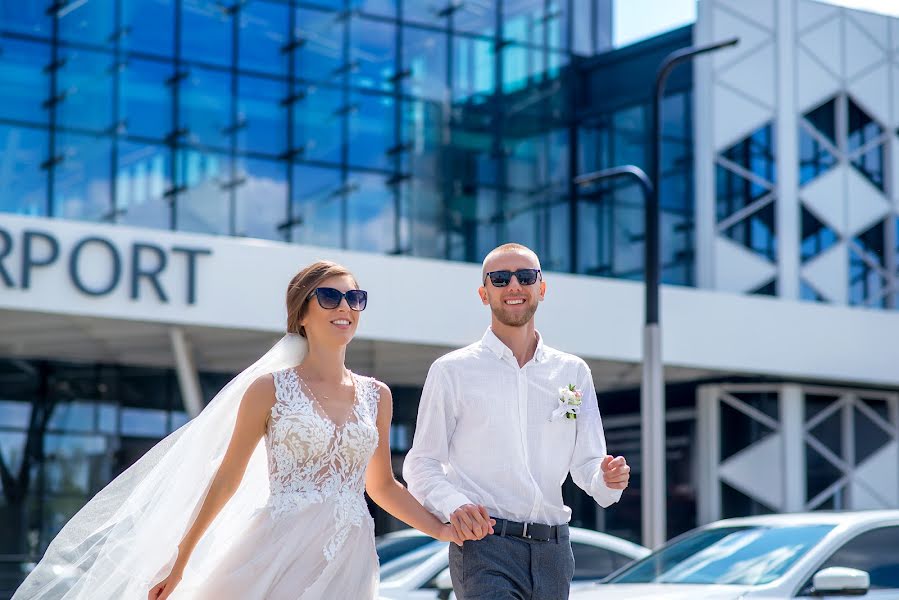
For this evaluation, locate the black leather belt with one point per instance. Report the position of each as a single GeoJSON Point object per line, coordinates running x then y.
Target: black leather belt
{"type": "Point", "coordinates": [530, 531]}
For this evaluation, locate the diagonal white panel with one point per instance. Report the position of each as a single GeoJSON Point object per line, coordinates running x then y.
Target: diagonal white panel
{"type": "Point", "coordinates": [815, 84]}
{"type": "Point", "coordinates": [758, 69]}
{"type": "Point", "coordinates": [825, 42]}
{"type": "Point", "coordinates": [810, 12]}
{"type": "Point", "coordinates": [727, 25]}
{"type": "Point", "coordinates": [760, 12]}
{"type": "Point", "coordinates": [880, 472]}
{"type": "Point", "coordinates": [735, 116]}
{"type": "Point", "coordinates": [746, 471]}
{"type": "Point", "coordinates": [824, 197]}
{"type": "Point", "coordinates": [872, 94]}
{"type": "Point", "coordinates": [865, 203]}
{"type": "Point", "coordinates": [738, 269]}
{"type": "Point", "coordinates": [861, 51]}
{"type": "Point", "coordinates": [829, 273]}
{"type": "Point", "coordinates": [876, 26]}
{"type": "Point", "coordinates": [895, 99]}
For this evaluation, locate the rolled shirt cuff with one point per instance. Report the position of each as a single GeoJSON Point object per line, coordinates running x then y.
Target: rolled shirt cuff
{"type": "Point", "coordinates": [449, 504]}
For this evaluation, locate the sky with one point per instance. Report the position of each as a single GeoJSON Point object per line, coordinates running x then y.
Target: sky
{"type": "Point", "coordinates": [638, 19]}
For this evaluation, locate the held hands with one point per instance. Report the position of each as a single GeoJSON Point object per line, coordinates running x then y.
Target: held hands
{"type": "Point", "coordinates": [471, 522]}
{"type": "Point", "coordinates": [615, 472]}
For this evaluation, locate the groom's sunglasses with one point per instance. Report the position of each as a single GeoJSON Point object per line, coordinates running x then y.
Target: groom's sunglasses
{"type": "Point", "coordinates": [502, 278]}
{"type": "Point", "coordinates": [330, 298]}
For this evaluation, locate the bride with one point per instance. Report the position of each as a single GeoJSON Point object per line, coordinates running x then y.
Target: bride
{"type": "Point", "coordinates": [261, 495]}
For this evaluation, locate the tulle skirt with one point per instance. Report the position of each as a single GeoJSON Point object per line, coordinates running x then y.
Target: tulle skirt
{"type": "Point", "coordinates": [286, 557]}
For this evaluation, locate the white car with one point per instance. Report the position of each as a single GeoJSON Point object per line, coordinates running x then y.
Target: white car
{"type": "Point", "coordinates": [425, 572]}
{"type": "Point", "coordinates": [776, 557]}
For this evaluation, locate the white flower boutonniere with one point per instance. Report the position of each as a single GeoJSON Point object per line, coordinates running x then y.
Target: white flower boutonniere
{"type": "Point", "coordinates": [569, 402]}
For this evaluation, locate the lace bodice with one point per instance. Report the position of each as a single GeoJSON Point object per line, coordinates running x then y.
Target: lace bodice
{"type": "Point", "coordinates": [311, 459]}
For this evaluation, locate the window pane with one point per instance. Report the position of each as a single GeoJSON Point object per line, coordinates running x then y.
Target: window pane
{"type": "Point", "coordinates": [370, 214]}
{"type": "Point", "coordinates": [85, 80]}
{"type": "Point", "coordinates": [142, 179]}
{"type": "Point", "coordinates": [316, 206]}
{"type": "Point", "coordinates": [204, 206]}
{"type": "Point", "coordinates": [206, 107]}
{"type": "Point", "coordinates": [473, 69]}
{"type": "Point", "coordinates": [146, 99]}
{"type": "Point", "coordinates": [263, 118]}
{"type": "Point", "coordinates": [321, 56]}
{"type": "Point", "coordinates": [206, 32]}
{"type": "Point", "coordinates": [424, 55]}
{"type": "Point", "coordinates": [150, 25]}
{"type": "Point", "coordinates": [22, 78]}
{"type": "Point", "coordinates": [318, 124]}
{"type": "Point", "coordinates": [23, 181]}
{"type": "Point", "coordinates": [873, 552]}
{"type": "Point", "coordinates": [372, 53]}
{"type": "Point", "coordinates": [87, 22]}
{"type": "Point", "coordinates": [371, 131]}
{"type": "Point", "coordinates": [73, 416]}
{"type": "Point", "coordinates": [25, 17]}
{"type": "Point", "coordinates": [81, 181]}
{"type": "Point", "coordinates": [261, 199]}
{"type": "Point", "coordinates": [385, 8]}
{"type": "Point", "coordinates": [421, 217]}
{"type": "Point", "coordinates": [476, 17]}
{"type": "Point", "coordinates": [264, 31]}
{"type": "Point", "coordinates": [144, 422]}
{"type": "Point", "coordinates": [76, 464]}
{"type": "Point", "coordinates": [582, 27]}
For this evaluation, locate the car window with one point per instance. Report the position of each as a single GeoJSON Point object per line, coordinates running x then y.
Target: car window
{"type": "Point", "coordinates": [592, 562]}
{"type": "Point", "coordinates": [876, 552]}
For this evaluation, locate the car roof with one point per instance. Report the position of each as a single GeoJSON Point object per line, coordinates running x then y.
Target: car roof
{"type": "Point", "coordinates": [812, 518]}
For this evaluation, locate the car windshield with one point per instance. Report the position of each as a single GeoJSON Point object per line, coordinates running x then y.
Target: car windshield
{"type": "Point", "coordinates": [747, 555]}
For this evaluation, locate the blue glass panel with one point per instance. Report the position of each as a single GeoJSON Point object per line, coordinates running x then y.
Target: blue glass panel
{"type": "Point", "coordinates": [372, 53]}
{"type": "Point", "coordinates": [263, 116]}
{"type": "Point", "coordinates": [594, 237]}
{"type": "Point", "coordinates": [23, 183]}
{"type": "Point", "coordinates": [329, 4]}
{"type": "Point", "coordinates": [534, 22]}
{"type": "Point", "coordinates": [677, 133]}
{"type": "Point", "coordinates": [629, 136]}
{"type": "Point", "coordinates": [474, 223]}
{"type": "Point", "coordinates": [205, 204]}
{"type": "Point", "coordinates": [815, 236]}
{"type": "Point", "coordinates": [150, 25]}
{"type": "Point", "coordinates": [814, 158]}
{"type": "Point", "coordinates": [523, 217]}
{"type": "Point", "coordinates": [424, 56]}
{"type": "Point", "coordinates": [473, 69]}
{"type": "Point", "coordinates": [90, 22]}
{"type": "Point", "coordinates": [421, 214]}
{"type": "Point", "coordinates": [757, 232]}
{"type": "Point", "coordinates": [206, 35]}
{"type": "Point", "coordinates": [321, 56]}
{"type": "Point", "coordinates": [384, 8]}
{"type": "Point", "coordinates": [755, 153]}
{"type": "Point", "coordinates": [146, 99]}
{"type": "Point", "coordinates": [22, 78]}
{"type": "Point", "coordinates": [143, 176]}
{"type": "Point", "coordinates": [556, 254]}
{"type": "Point", "coordinates": [870, 164]}
{"type": "Point", "coordinates": [317, 206]}
{"type": "Point", "coordinates": [475, 17]}
{"type": "Point", "coordinates": [867, 284]}
{"type": "Point", "coordinates": [627, 233]}
{"type": "Point", "coordinates": [81, 182]}
{"type": "Point", "coordinates": [582, 27]}
{"type": "Point", "coordinates": [808, 293]}
{"type": "Point", "coordinates": [676, 230]}
{"type": "Point", "coordinates": [517, 60]}
{"type": "Point", "coordinates": [144, 422]}
{"type": "Point", "coordinates": [86, 81]}
{"type": "Point", "coordinates": [823, 119]}
{"type": "Point", "coordinates": [261, 209]}
{"type": "Point", "coordinates": [422, 130]}
{"type": "Point", "coordinates": [371, 214]}
{"type": "Point", "coordinates": [371, 131]}
{"type": "Point", "coordinates": [206, 107]}
{"type": "Point", "coordinates": [862, 128]}
{"type": "Point", "coordinates": [264, 31]}
{"type": "Point", "coordinates": [425, 12]}
{"type": "Point", "coordinates": [318, 124]}
{"type": "Point", "coordinates": [25, 17]}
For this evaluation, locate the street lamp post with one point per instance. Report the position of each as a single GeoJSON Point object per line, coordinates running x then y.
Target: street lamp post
{"type": "Point", "coordinates": [652, 388]}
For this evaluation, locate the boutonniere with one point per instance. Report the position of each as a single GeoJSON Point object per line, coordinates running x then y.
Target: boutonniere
{"type": "Point", "coordinates": [569, 402]}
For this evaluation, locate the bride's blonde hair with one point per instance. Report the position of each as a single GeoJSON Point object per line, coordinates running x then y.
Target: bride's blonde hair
{"type": "Point", "coordinates": [302, 285]}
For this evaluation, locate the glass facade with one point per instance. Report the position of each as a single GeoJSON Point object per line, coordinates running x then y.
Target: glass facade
{"type": "Point", "coordinates": [389, 126]}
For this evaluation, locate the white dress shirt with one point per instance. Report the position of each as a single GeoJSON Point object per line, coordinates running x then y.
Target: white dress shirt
{"type": "Point", "coordinates": [484, 435]}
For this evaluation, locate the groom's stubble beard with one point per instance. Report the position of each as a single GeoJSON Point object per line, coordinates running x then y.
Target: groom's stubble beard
{"type": "Point", "coordinates": [505, 316]}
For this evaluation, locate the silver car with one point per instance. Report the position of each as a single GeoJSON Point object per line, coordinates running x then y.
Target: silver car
{"type": "Point", "coordinates": [776, 557]}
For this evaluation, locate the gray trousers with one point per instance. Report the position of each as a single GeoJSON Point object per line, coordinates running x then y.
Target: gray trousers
{"type": "Point", "coordinates": [511, 568]}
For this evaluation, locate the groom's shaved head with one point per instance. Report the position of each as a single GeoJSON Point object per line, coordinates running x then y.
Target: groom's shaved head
{"type": "Point", "coordinates": [504, 249]}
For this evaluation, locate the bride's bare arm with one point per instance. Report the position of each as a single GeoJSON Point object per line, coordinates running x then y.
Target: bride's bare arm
{"type": "Point", "coordinates": [390, 494]}
{"type": "Point", "coordinates": [254, 410]}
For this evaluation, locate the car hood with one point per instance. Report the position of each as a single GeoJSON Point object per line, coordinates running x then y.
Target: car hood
{"type": "Point", "coordinates": [654, 591]}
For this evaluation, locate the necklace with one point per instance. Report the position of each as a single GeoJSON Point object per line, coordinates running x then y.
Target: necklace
{"type": "Point", "coordinates": [301, 368]}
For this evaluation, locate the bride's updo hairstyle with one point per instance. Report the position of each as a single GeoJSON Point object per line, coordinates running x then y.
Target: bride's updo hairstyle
{"type": "Point", "coordinates": [303, 284]}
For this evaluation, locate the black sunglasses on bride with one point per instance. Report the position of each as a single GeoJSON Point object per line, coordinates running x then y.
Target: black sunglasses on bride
{"type": "Point", "coordinates": [329, 298]}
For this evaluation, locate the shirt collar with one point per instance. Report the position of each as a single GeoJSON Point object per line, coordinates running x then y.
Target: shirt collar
{"type": "Point", "coordinates": [501, 350]}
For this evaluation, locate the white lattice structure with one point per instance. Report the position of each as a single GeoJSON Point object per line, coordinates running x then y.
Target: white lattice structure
{"type": "Point", "coordinates": [797, 156]}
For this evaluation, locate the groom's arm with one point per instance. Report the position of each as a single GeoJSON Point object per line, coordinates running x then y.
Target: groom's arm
{"type": "Point", "coordinates": [590, 447]}
{"type": "Point", "coordinates": [425, 466]}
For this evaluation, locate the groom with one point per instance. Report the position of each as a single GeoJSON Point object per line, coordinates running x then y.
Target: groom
{"type": "Point", "coordinates": [496, 437]}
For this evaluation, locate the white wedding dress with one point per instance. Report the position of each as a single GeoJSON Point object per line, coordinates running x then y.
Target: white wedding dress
{"type": "Point", "coordinates": [314, 538]}
{"type": "Point", "coordinates": [297, 527]}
